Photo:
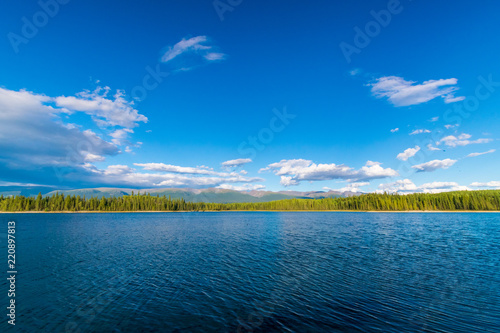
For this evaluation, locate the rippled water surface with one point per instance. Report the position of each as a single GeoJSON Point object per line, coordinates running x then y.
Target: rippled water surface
{"type": "Point", "coordinates": [260, 272]}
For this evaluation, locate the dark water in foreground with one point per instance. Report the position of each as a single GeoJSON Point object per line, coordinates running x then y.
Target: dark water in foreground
{"type": "Point", "coordinates": [266, 272]}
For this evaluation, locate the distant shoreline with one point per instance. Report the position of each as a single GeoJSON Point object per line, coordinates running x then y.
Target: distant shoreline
{"type": "Point", "coordinates": [260, 211]}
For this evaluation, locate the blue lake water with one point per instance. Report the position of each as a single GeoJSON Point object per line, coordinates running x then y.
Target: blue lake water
{"type": "Point", "coordinates": [253, 271]}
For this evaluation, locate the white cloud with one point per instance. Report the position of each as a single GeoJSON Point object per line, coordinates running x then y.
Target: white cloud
{"type": "Point", "coordinates": [461, 140]}
{"type": "Point", "coordinates": [492, 184]}
{"type": "Point", "coordinates": [180, 169]}
{"type": "Point", "coordinates": [185, 45]}
{"type": "Point", "coordinates": [351, 187]}
{"type": "Point", "coordinates": [214, 56]}
{"type": "Point", "coordinates": [394, 130]}
{"type": "Point", "coordinates": [244, 187]}
{"type": "Point", "coordinates": [288, 181]}
{"type": "Point", "coordinates": [35, 134]}
{"type": "Point", "coordinates": [435, 185]}
{"type": "Point", "coordinates": [120, 135]}
{"type": "Point", "coordinates": [430, 147]}
{"type": "Point", "coordinates": [438, 187]}
{"type": "Point", "coordinates": [213, 178]}
{"type": "Point", "coordinates": [292, 172]}
{"type": "Point", "coordinates": [372, 170]}
{"type": "Point", "coordinates": [400, 92]}
{"type": "Point", "coordinates": [196, 45]}
{"type": "Point", "coordinates": [32, 135]}
{"type": "Point", "coordinates": [434, 119]}
{"type": "Point", "coordinates": [89, 158]}
{"type": "Point", "coordinates": [410, 152]}
{"type": "Point", "coordinates": [448, 126]}
{"type": "Point", "coordinates": [406, 186]}
{"type": "Point", "coordinates": [236, 162]}
{"type": "Point", "coordinates": [420, 131]}
{"type": "Point", "coordinates": [355, 71]}
{"type": "Point", "coordinates": [403, 185]}
{"type": "Point", "coordinates": [450, 98]}
{"type": "Point", "coordinates": [4, 183]}
{"type": "Point", "coordinates": [123, 175]}
{"type": "Point", "coordinates": [479, 154]}
{"type": "Point", "coordinates": [434, 165]}
{"type": "Point", "coordinates": [104, 110]}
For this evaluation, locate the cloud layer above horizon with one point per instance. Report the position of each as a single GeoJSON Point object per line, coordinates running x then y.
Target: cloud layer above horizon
{"type": "Point", "coordinates": [292, 172]}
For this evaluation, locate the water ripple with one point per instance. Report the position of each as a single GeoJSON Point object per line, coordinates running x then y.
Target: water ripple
{"type": "Point", "coordinates": [260, 272]}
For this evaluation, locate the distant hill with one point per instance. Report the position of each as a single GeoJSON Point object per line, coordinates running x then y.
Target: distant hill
{"type": "Point", "coordinates": [24, 190]}
{"type": "Point", "coordinates": [215, 195]}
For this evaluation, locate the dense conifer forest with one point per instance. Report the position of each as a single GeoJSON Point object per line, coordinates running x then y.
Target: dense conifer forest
{"type": "Point", "coordinates": [488, 200]}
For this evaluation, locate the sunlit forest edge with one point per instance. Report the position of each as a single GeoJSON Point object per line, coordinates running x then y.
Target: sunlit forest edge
{"type": "Point", "coordinates": [482, 200]}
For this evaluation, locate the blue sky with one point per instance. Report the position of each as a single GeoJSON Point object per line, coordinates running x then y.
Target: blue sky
{"type": "Point", "coordinates": [360, 95]}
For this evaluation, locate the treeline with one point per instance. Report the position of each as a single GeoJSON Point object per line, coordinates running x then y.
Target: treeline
{"type": "Point", "coordinates": [449, 201]}
{"type": "Point", "coordinates": [460, 200]}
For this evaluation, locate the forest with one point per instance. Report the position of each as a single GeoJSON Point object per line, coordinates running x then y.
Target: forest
{"type": "Point", "coordinates": [484, 200]}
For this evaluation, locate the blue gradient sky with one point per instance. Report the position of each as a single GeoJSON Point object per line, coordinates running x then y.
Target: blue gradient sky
{"type": "Point", "coordinates": [221, 79]}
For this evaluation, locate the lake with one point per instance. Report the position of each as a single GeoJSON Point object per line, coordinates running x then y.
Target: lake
{"type": "Point", "coordinates": [256, 271]}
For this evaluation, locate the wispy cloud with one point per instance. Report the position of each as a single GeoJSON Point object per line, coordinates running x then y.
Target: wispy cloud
{"type": "Point", "coordinates": [162, 167]}
{"type": "Point", "coordinates": [292, 172]}
{"type": "Point", "coordinates": [410, 152]}
{"type": "Point", "coordinates": [434, 165]}
{"type": "Point", "coordinates": [355, 71]}
{"type": "Point", "coordinates": [394, 130]}
{"type": "Point", "coordinates": [244, 187]}
{"type": "Point", "coordinates": [400, 92]}
{"type": "Point", "coordinates": [492, 184]}
{"type": "Point", "coordinates": [236, 162]}
{"type": "Point", "coordinates": [479, 154]}
{"type": "Point", "coordinates": [452, 99]}
{"type": "Point", "coordinates": [351, 187]}
{"type": "Point", "coordinates": [432, 148]}
{"type": "Point", "coordinates": [195, 45]}
{"type": "Point", "coordinates": [212, 56]}
{"type": "Point", "coordinates": [461, 140]}
{"type": "Point", "coordinates": [407, 186]}
{"type": "Point", "coordinates": [420, 131]}
{"type": "Point", "coordinates": [124, 175]}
